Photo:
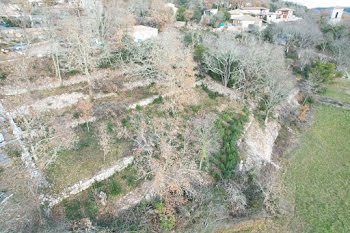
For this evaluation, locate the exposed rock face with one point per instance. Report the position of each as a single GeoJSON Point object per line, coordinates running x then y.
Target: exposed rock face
{"type": "Point", "coordinates": [257, 143]}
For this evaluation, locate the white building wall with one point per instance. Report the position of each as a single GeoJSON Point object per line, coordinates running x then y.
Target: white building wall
{"type": "Point", "coordinates": [336, 15]}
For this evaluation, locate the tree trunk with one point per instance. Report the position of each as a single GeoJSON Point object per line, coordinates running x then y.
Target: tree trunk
{"type": "Point", "coordinates": [57, 67]}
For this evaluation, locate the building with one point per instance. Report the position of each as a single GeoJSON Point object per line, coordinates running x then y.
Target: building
{"type": "Point", "coordinates": [336, 15]}
{"type": "Point", "coordinates": [245, 21]}
{"type": "Point", "coordinates": [211, 12]}
{"type": "Point", "coordinates": [236, 12]}
{"type": "Point", "coordinates": [255, 10]}
{"type": "Point", "coordinates": [10, 10]}
{"type": "Point", "coordinates": [285, 13]}
{"type": "Point", "coordinates": [271, 17]}
{"type": "Point", "coordinates": [142, 33]}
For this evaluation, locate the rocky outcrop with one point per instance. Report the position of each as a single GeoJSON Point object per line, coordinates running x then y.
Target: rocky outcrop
{"type": "Point", "coordinates": [257, 143]}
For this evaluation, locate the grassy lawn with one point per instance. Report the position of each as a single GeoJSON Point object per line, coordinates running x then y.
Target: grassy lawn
{"type": "Point", "coordinates": [318, 178]}
{"type": "Point", "coordinates": [339, 90]}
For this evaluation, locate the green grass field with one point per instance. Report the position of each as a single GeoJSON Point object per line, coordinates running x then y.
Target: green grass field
{"type": "Point", "coordinates": [318, 179]}
{"type": "Point", "coordinates": [339, 90]}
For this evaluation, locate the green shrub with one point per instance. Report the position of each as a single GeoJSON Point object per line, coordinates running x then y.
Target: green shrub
{"type": "Point", "coordinates": [309, 100]}
{"type": "Point", "coordinates": [115, 188]}
{"type": "Point", "coordinates": [158, 100]}
{"type": "Point", "coordinates": [126, 122]}
{"type": "Point", "coordinates": [130, 179]}
{"type": "Point", "coordinates": [72, 72]}
{"type": "Point", "coordinates": [253, 193]}
{"type": "Point", "coordinates": [195, 108]}
{"type": "Point", "coordinates": [200, 76]}
{"type": "Point", "coordinates": [292, 55]}
{"type": "Point", "coordinates": [1, 170]}
{"type": "Point", "coordinates": [97, 185]}
{"type": "Point", "coordinates": [90, 207]}
{"type": "Point", "coordinates": [181, 14]}
{"type": "Point", "coordinates": [198, 53]}
{"type": "Point", "coordinates": [76, 115]}
{"type": "Point", "coordinates": [197, 15]}
{"type": "Point", "coordinates": [138, 107]}
{"type": "Point", "coordinates": [3, 75]}
{"type": "Point", "coordinates": [230, 126]}
{"type": "Point", "coordinates": [325, 72]}
{"type": "Point", "coordinates": [167, 221]}
{"type": "Point", "coordinates": [13, 153]}
{"type": "Point", "coordinates": [110, 127]}
{"type": "Point", "coordinates": [187, 39]}
{"type": "Point", "coordinates": [211, 94]}
{"type": "Point", "coordinates": [73, 210]}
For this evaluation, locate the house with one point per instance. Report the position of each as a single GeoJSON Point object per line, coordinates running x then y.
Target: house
{"type": "Point", "coordinates": [236, 12]}
{"type": "Point", "coordinates": [244, 21]}
{"type": "Point", "coordinates": [142, 33]}
{"type": "Point", "coordinates": [271, 17]}
{"type": "Point", "coordinates": [285, 13]}
{"type": "Point", "coordinates": [255, 10]}
{"type": "Point", "coordinates": [211, 12]}
{"type": "Point", "coordinates": [10, 10]}
{"type": "Point", "coordinates": [336, 15]}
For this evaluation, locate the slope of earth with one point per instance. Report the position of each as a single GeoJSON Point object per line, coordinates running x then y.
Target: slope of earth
{"type": "Point", "coordinates": [316, 177]}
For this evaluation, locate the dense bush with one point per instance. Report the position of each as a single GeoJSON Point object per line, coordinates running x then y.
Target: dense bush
{"type": "Point", "coordinates": [181, 14]}
{"type": "Point", "coordinates": [325, 72]}
{"type": "Point", "coordinates": [3, 75]}
{"type": "Point", "coordinates": [198, 53]}
{"type": "Point", "coordinates": [230, 126]}
{"type": "Point", "coordinates": [158, 100]}
{"type": "Point", "coordinates": [211, 94]}
{"type": "Point", "coordinates": [115, 188]}
{"type": "Point", "coordinates": [73, 210]}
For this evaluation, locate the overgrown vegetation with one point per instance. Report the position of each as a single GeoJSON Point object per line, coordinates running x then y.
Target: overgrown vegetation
{"type": "Point", "coordinates": [230, 126]}
{"type": "Point", "coordinates": [84, 160]}
{"type": "Point", "coordinates": [211, 94]}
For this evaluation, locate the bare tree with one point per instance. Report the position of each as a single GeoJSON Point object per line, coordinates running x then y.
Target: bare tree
{"type": "Point", "coordinates": [256, 69]}
{"type": "Point", "coordinates": [221, 58]}
{"type": "Point", "coordinates": [341, 52]}
{"type": "Point", "coordinates": [301, 34]}
{"type": "Point", "coordinates": [104, 140]}
{"type": "Point", "coordinates": [277, 90]}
